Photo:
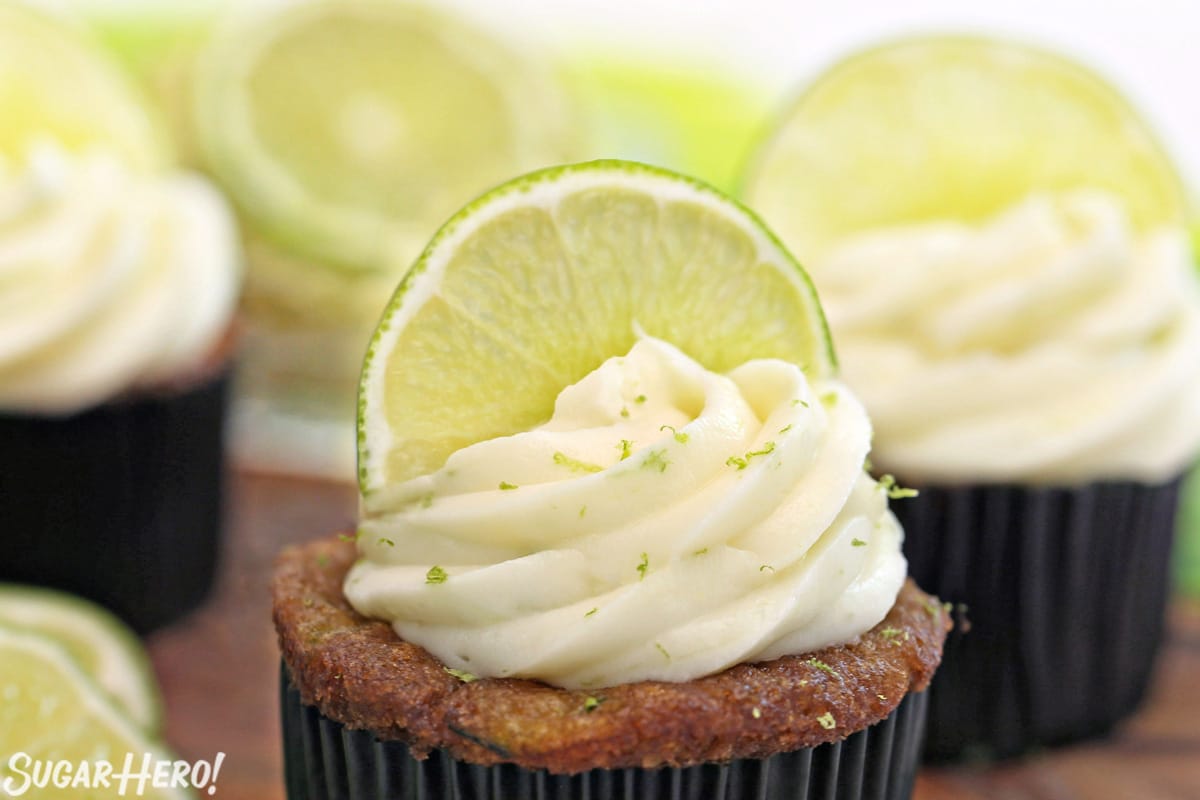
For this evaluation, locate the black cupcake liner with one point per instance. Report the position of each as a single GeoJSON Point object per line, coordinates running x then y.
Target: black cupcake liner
{"type": "Point", "coordinates": [120, 503]}
{"type": "Point", "coordinates": [1065, 592]}
{"type": "Point", "coordinates": [324, 760]}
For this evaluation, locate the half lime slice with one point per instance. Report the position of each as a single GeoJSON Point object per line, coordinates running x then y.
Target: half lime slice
{"type": "Point", "coordinates": [952, 127]}
{"type": "Point", "coordinates": [535, 284]}
{"type": "Point", "coordinates": [53, 711]}
{"type": "Point", "coordinates": [347, 130]}
{"type": "Point", "coordinates": [102, 645]}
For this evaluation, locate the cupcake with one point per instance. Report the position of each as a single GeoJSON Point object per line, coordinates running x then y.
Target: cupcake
{"type": "Point", "coordinates": [1026, 345]}
{"type": "Point", "coordinates": [641, 560]}
{"type": "Point", "coordinates": [115, 341]}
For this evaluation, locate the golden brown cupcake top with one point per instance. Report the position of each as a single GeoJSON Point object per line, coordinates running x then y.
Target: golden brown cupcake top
{"type": "Point", "coordinates": [360, 673]}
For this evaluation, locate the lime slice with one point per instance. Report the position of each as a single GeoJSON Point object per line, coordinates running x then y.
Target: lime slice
{"type": "Point", "coordinates": [952, 128]}
{"type": "Point", "coordinates": [52, 710]}
{"type": "Point", "coordinates": [536, 283]}
{"type": "Point", "coordinates": [56, 83]}
{"type": "Point", "coordinates": [101, 644]}
{"type": "Point", "coordinates": [348, 130]}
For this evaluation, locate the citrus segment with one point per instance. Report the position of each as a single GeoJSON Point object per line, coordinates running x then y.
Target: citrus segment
{"type": "Point", "coordinates": [952, 128]}
{"type": "Point", "coordinates": [97, 640]}
{"type": "Point", "coordinates": [535, 284]}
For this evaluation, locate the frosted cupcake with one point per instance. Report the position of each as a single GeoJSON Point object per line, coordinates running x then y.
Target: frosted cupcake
{"type": "Point", "coordinates": [117, 298]}
{"type": "Point", "coordinates": [1026, 342]}
{"type": "Point", "coordinates": [653, 573]}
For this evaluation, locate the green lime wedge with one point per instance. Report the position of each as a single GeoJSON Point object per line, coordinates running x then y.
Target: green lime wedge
{"type": "Point", "coordinates": [347, 130]}
{"type": "Point", "coordinates": [101, 644]}
{"type": "Point", "coordinates": [535, 284]}
{"type": "Point", "coordinates": [952, 128]}
{"type": "Point", "coordinates": [56, 83]}
{"type": "Point", "coordinates": [53, 711]}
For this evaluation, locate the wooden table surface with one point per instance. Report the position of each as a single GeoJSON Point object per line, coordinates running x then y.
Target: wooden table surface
{"type": "Point", "coordinates": [219, 676]}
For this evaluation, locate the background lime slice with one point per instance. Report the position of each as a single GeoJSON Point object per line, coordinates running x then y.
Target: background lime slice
{"type": "Point", "coordinates": [51, 709]}
{"type": "Point", "coordinates": [101, 644]}
{"type": "Point", "coordinates": [536, 283]}
{"type": "Point", "coordinates": [951, 128]}
{"type": "Point", "coordinates": [55, 82]}
{"type": "Point", "coordinates": [347, 130]}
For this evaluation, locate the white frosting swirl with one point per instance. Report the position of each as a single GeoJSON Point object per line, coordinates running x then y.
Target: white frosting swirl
{"type": "Point", "coordinates": [1051, 344]}
{"type": "Point", "coordinates": [667, 522]}
{"type": "Point", "coordinates": [109, 280]}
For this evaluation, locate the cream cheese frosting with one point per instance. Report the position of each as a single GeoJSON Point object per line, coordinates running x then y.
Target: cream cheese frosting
{"type": "Point", "coordinates": [666, 523]}
{"type": "Point", "coordinates": [1050, 344]}
{"type": "Point", "coordinates": [109, 280]}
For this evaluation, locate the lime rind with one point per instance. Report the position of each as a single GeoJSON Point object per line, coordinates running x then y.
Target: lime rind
{"type": "Point", "coordinates": [96, 639]}
{"type": "Point", "coordinates": [96, 728]}
{"type": "Point", "coordinates": [544, 189]}
{"type": "Point", "coordinates": [951, 127]}
{"type": "Point", "coordinates": [366, 234]}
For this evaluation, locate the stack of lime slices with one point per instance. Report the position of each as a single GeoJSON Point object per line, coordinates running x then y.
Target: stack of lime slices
{"type": "Point", "coordinates": [536, 283]}
{"type": "Point", "coordinates": [952, 127]}
{"type": "Point", "coordinates": [76, 686]}
{"type": "Point", "coordinates": [56, 82]}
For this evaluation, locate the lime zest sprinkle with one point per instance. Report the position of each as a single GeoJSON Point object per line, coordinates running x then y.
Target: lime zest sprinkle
{"type": "Point", "coordinates": [701, 551]}
{"type": "Point", "coordinates": [827, 721]}
{"type": "Point", "coordinates": [505, 486]}
{"type": "Point", "coordinates": [829, 399]}
{"type": "Point", "coordinates": [426, 500]}
{"type": "Point", "coordinates": [799, 402]}
{"type": "Point", "coordinates": [656, 458]}
{"type": "Point", "coordinates": [868, 466]}
{"type": "Point", "coordinates": [591, 703]}
{"type": "Point", "coordinates": [682, 438]}
{"type": "Point", "coordinates": [744, 461]}
{"type": "Point", "coordinates": [856, 542]}
{"type": "Point", "coordinates": [574, 464]}
{"type": "Point", "coordinates": [821, 665]}
{"type": "Point", "coordinates": [890, 632]}
{"type": "Point", "coordinates": [348, 537]}
{"type": "Point", "coordinates": [756, 712]}
{"type": "Point", "coordinates": [766, 567]}
{"type": "Point", "coordinates": [642, 566]}
{"type": "Point", "coordinates": [590, 613]}
{"type": "Point", "coordinates": [641, 398]}
{"type": "Point", "coordinates": [626, 448]}
{"type": "Point", "coordinates": [624, 412]}
{"type": "Point", "coordinates": [322, 561]}
{"type": "Point", "coordinates": [663, 650]}
{"type": "Point", "coordinates": [895, 491]}
{"type": "Point", "coordinates": [582, 511]}
{"type": "Point", "coordinates": [436, 575]}
{"type": "Point", "coordinates": [461, 674]}
{"type": "Point", "coordinates": [387, 541]}
{"type": "Point", "coordinates": [785, 428]}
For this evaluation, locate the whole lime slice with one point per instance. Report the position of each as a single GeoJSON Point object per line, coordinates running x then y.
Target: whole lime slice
{"type": "Point", "coordinates": [348, 129]}
{"type": "Point", "coordinates": [535, 284]}
{"type": "Point", "coordinates": [56, 83]}
{"type": "Point", "coordinates": [53, 711]}
{"type": "Point", "coordinates": [952, 127]}
{"type": "Point", "coordinates": [102, 645]}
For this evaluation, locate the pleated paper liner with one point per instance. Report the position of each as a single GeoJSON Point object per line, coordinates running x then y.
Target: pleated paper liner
{"type": "Point", "coordinates": [120, 503]}
{"type": "Point", "coordinates": [323, 760]}
{"type": "Point", "coordinates": [1065, 592]}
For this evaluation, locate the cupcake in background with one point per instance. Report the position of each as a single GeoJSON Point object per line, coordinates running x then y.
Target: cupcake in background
{"type": "Point", "coordinates": [344, 132]}
{"type": "Point", "coordinates": [999, 243]}
{"type": "Point", "coordinates": [116, 311]}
